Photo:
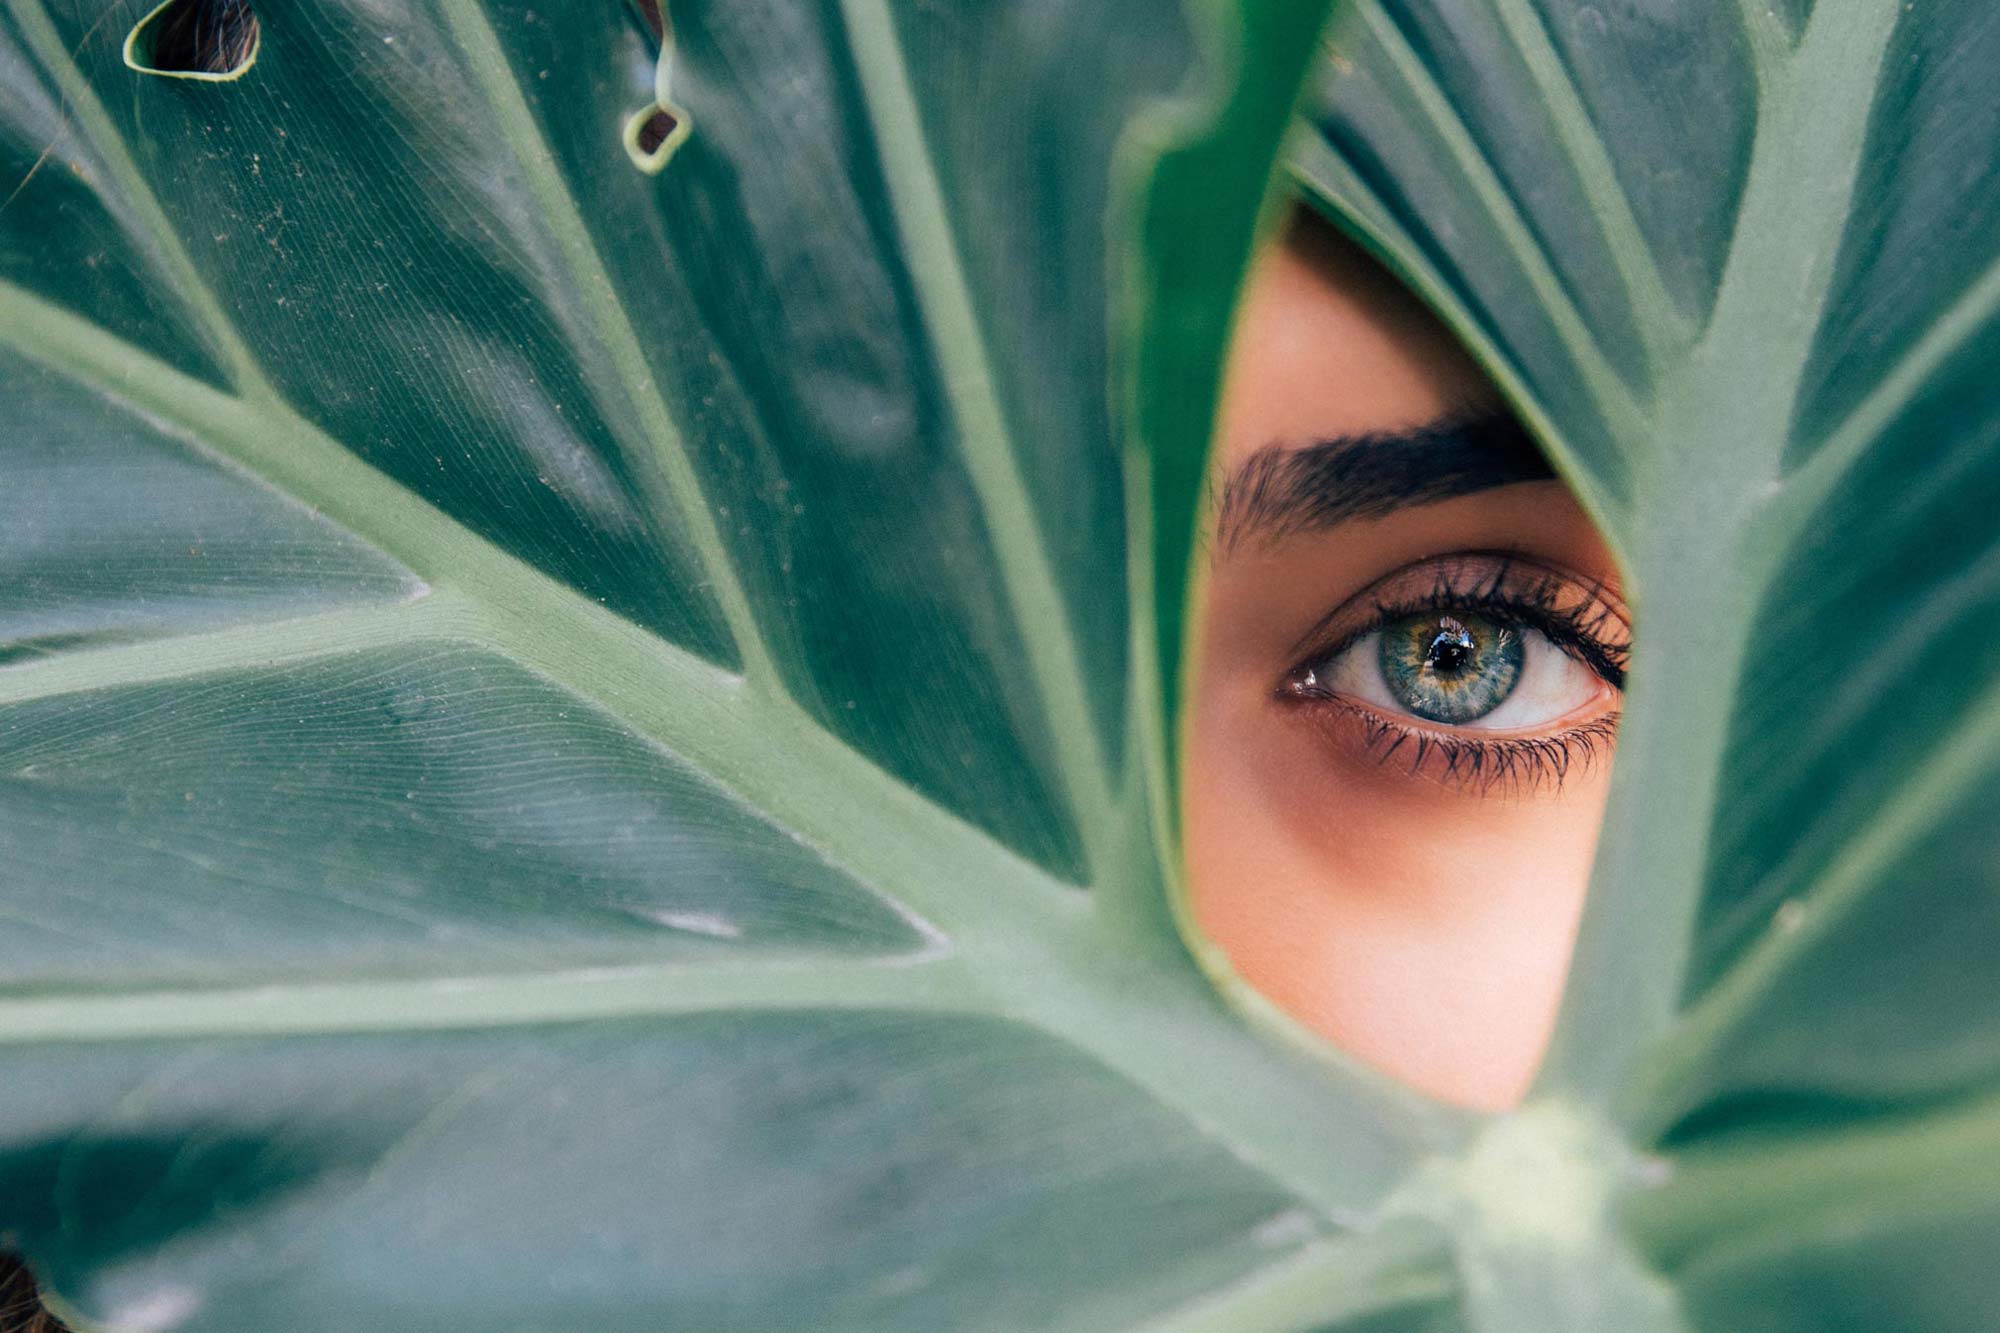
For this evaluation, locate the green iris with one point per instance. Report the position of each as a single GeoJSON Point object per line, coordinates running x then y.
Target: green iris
{"type": "Point", "coordinates": [1450, 669]}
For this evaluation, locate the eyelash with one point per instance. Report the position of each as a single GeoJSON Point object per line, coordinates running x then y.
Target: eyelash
{"type": "Point", "coordinates": [1573, 617]}
{"type": "Point", "coordinates": [1528, 762]}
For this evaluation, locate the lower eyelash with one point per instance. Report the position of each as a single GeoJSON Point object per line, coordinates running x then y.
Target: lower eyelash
{"type": "Point", "coordinates": [1518, 763]}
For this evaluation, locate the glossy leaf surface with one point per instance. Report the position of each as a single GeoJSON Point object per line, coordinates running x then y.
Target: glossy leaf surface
{"type": "Point", "coordinates": [564, 748]}
{"type": "Point", "coordinates": [579, 744]}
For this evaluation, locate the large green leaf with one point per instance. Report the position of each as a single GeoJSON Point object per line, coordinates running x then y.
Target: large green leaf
{"type": "Point", "coordinates": [568, 755]}
{"type": "Point", "coordinates": [581, 736]}
{"type": "Point", "coordinates": [1740, 266]}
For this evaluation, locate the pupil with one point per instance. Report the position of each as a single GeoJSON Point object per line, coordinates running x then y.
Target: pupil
{"type": "Point", "coordinates": [1451, 649]}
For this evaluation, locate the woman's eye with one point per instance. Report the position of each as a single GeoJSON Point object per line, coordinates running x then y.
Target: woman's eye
{"type": "Point", "coordinates": [1459, 669]}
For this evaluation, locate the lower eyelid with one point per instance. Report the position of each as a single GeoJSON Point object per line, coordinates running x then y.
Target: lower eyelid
{"type": "Point", "coordinates": [1520, 762]}
{"type": "Point", "coordinates": [1344, 693]}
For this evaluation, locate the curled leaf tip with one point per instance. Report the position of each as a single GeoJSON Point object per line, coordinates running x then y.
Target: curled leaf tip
{"type": "Point", "coordinates": [653, 134]}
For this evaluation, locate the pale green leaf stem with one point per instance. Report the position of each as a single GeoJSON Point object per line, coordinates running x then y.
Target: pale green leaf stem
{"type": "Point", "coordinates": [929, 984]}
{"type": "Point", "coordinates": [1937, 1163]}
{"type": "Point", "coordinates": [1402, 1264]}
{"type": "Point", "coordinates": [1704, 552]}
{"type": "Point", "coordinates": [110, 664]}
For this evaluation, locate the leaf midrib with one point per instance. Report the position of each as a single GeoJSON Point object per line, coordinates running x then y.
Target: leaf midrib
{"type": "Point", "coordinates": [476, 999]}
{"type": "Point", "coordinates": [1632, 957]}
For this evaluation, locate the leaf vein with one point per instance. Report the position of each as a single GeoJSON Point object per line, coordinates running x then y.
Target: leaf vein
{"type": "Point", "coordinates": [990, 454]}
{"type": "Point", "coordinates": [1604, 384]}
{"type": "Point", "coordinates": [683, 496]}
{"type": "Point", "coordinates": [1655, 317]}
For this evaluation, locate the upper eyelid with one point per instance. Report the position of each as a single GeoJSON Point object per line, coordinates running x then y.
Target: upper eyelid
{"type": "Point", "coordinates": [1318, 642]}
{"type": "Point", "coordinates": [1605, 659]}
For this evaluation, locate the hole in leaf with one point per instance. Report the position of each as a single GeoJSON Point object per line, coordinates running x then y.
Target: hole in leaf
{"type": "Point", "coordinates": [653, 133]}
{"type": "Point", "coordinates": [1346, 924]}
{"type": "Point", "coordinates": [655, 129]}
{"type": "Point", "coordinates": [20, 1302]}
{"type": "Point", "coordinates": [215, 40]}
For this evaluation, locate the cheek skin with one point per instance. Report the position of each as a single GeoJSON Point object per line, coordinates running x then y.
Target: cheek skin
{"type": "Point", "coordinates": [1425, 930]}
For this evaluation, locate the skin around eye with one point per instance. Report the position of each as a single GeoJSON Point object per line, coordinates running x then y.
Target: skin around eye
{"type": "Point", "coordinates": [1407, 658]}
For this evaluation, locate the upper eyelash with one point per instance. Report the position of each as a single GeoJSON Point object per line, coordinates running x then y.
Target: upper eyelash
{"type": "Point", "coordinates": [1575, 628]}
{"type": "Point", "coordinates": [1572, 616]}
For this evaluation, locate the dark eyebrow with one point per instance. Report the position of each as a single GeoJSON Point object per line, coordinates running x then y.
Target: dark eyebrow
{"type": "Point", "coordinates": [1280, 492]}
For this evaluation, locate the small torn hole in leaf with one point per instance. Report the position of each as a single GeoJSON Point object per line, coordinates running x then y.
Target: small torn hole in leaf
{"type": "Point", "coordinates": [654, 129]}
{"type": "Point", "coordinates": [212, 40]}
{"type": "Point", "coordinates": [653, 133]}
